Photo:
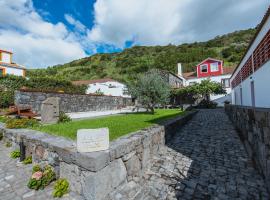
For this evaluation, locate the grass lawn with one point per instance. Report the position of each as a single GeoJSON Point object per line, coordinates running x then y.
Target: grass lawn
{"type": "Point", "coordinates": [118, 125]}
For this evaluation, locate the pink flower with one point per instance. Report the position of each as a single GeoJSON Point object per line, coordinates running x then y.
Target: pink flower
{"type": "Point", "coordinates": [37, 175]}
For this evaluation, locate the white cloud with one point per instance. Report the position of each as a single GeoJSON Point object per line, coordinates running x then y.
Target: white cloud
{"type": "Point", "coordinates": [160, 22]}
{"type": "Point", "coordinates": [77, 24]}
{"type": "Point", "coordinates": [39, 43]}
{"type": "Point", "coordinates": [35, 42]}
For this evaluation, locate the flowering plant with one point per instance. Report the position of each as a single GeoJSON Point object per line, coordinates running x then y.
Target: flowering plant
{"type": "Point", "coordinates": [37, 175]}
{"type": "Point", "coordinates": [41, 177]}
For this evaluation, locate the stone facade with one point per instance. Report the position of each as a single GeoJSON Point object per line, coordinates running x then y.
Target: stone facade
{"type": "Point", "coordinates": [253, 125]}
{"type": "Point", "coordinates": [71, 102]}
{"type": "Point", "coordinates": [100, 175]}
{"type": "Point", "coordinates": [173, 80]}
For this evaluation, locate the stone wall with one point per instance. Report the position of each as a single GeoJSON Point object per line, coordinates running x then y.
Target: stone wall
{"type": "Point", "coordinates": [71, 102]}
{"type": "Point", "coordinates": [99, 175]}
{"type": "Point", "coordinates": [253, 125]}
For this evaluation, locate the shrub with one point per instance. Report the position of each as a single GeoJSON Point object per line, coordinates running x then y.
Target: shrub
{"type": "Point", "coordinates": [10, 83]}
{"type": "Point", "coordinates": [63, 118]}
{"type": "Point", "coordinates": [3, 119]}
{"type": "Point", "coordinates": [207, 104]}
{"type": "Point", "coordinates": [6, 98]}
{"type": "Point", "coordinates": [227, 102]}
{"type": "Point", "coordinates": [53, 84]}
{"type": "Point", "coordinates": [8, 144]}
{"type": "Point", "coordinates": [21, 123]}
{"type": "Point", "coordinates": [27, 160]}
{"type": "Point", "coordinates": [15, 154]}
{"type": "Point", "coordinates": [41, 177]}
{"type": "Point", "coordinates": [61, 187]}
{"type": "Point", "coordinates": [99, 92]}
{"type": "Point", "coordinates": [36, 168]}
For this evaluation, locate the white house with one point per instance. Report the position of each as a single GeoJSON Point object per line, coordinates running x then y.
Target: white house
{"type": "Point", "coordinates": [106, 86]}
{"type": "Point", "coordinates": [8, 67]}
{"type": "Point", "coordinates": [250, 80]}
{"type": "Point", "coordinates": [212, 69]}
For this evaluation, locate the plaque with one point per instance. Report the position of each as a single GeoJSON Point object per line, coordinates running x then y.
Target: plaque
{"type": "Point", "coordinates": [91, 140]}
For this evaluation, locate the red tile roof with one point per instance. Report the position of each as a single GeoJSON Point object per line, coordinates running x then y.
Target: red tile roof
{"type": "Point", "coordinates": [191, 75]}
{"type": "Point", "coordinates": [228, 70]}
{"type": "Point", "coordinates": [1, 50]}
{"type": "Point", "coordinates": [87, 82]}
{"type": "Point", "coordinates": [14, 65]}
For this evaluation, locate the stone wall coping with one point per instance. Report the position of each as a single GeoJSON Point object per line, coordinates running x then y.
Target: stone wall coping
{"type": "Point", "coordinates": [71, 94]}
{"type": "Point", "coordinates": [250, 108]}
{"type": "Point", "coordinates": [95, 161]}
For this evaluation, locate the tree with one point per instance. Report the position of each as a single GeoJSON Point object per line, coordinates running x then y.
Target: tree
{"type": "Point", "coordinates": [207, 87]}
{"type": "Point", "coordinates": [150, 89]}
{"type": "Point", "coordinates": [204, 90]}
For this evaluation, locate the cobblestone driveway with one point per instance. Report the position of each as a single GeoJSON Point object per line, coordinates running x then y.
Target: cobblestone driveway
{"type": "Point", "coordinates": [205, 160]}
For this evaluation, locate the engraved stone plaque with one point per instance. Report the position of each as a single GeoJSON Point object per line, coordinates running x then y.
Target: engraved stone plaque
{"type": "Point", "coordinates": [91, 140]}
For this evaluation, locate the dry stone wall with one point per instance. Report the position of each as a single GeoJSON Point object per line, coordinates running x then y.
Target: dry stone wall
{"type": "Point", "coordinates": [253, 125]}
{"type": "Point", "coordinates": [99, 175]}
{"type": "Point", "coordinates": [71, 102]}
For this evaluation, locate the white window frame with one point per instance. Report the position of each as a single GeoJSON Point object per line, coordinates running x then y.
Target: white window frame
{"type": "Point", "coordinates": [203, 66]}
{"type": "Point", "coordinates": [216, 69]}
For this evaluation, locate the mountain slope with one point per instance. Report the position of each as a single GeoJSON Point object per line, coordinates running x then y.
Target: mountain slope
{"type": "Point", "coordinates": [127, 64]}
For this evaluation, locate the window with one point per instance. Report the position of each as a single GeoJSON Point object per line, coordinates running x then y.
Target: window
{"type": "Point", "coordinates": [204, 68]}
{"type": "Point", "coordinates": [112, 86]}
{"type": "Point", "coordinates": [225, 82]}
{"type": "Point", "coordinates": [214, 67]}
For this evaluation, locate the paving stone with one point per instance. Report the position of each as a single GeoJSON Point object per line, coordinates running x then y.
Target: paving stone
{"type": "Point", "coordinates": [14, 177]}
{"type": "Point", "coordinates": [209, 162]}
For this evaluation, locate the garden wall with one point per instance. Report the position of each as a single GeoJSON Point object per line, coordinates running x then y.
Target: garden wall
{"type": "Point", "coordinates": [100, 175]}
{"type": "Point", "coordinates": [253, 125]}
{"type": "Point", "coordinates": [71, 102]}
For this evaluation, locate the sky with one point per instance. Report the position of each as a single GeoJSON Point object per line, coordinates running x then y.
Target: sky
{"type": "Point", "coordinates": [44, 33]}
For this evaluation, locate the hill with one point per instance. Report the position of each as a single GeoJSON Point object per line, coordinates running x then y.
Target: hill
{"type": "Point", "coordinates": [127, 64]}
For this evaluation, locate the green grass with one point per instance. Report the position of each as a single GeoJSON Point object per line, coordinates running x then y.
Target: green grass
{"type": "Point", "coordinates": [2, 119]}
{"type": "Point", "coordinates": [118, 125]}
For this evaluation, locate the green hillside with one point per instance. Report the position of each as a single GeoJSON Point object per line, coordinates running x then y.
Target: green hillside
{"type": "Point", "coordinates": [126, 64]}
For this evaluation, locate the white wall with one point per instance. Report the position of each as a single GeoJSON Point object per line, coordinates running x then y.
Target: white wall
{"type": "Point", "coordinates": [213, 78]}
{"type": "Point", "coordinates": [5, 57]}
{"type": "Point", "coordinates": [261, 88]}
{"type": "Point", "coordinates": [260, 78]}
{"type": "Point", "coordinates": [117, 90]}
{"type": "Point", "coordinates": [13, 71]}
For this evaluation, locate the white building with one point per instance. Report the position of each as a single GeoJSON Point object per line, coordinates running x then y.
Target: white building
{"type": "Point", "coordinates": [106, 86]}
{"type": "Point", "coordinates": [250, 80]}
{"type": "Point", "coordinates": [210, 69]}
{"type": "Point", "coordinates": [8, 67]}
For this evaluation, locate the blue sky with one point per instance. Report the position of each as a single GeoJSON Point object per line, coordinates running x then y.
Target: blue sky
{"type": "Point", "coordinates": [55, 10]}
{"type": "Point", "coordinates": [44, 33]}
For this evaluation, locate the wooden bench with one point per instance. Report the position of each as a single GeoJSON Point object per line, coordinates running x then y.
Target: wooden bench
{"type": "Point", "coordinates": [22, 112]}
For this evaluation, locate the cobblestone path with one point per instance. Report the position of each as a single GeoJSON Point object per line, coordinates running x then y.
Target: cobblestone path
{"type": "Point", "coordinates": [205, 160]}
{"type": "Point", "coordinates": [14, 177]}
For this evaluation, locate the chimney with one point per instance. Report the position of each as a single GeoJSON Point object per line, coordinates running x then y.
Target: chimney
{"type": "Point", "coordinates": [179, 70]}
